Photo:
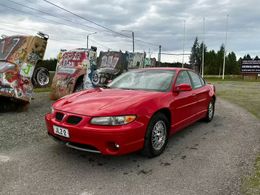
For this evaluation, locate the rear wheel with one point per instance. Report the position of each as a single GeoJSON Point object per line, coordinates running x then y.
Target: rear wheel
{"type": "Point", "coordinates": [41, 77]}
{"type": "Point", "coordinates": [211, 111]}
{"type": "Point", "coordinates": [95, 79]}
{"type": "Point", "coordinates": [156, 136]}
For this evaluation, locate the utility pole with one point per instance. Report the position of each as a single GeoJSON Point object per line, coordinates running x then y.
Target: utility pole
{"type": "Point", "coordinates": [88, 37]}
{"type": "Point", "coordinates": [203, 49]}
{"type": "Point", "coordinates": [159, 54]}
{"type": "Point", "coordinates": [133, 38]}
{"type": "Point", "coordinates": [87, 41]}
{"type": "Point", "coordinates": [184, 37]}
{"type": "Point", "coordinates": [225, 50]}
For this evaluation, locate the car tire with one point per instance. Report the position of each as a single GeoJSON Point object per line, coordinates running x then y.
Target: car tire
{"type": "Point", "coordinates": [41, 77]}
{"type": "Point", "coordinates": [95, 79]}
{"type": "Point", "coordinates": [211, 111]}
{"type": "Point", "coordinates": [156, 137]}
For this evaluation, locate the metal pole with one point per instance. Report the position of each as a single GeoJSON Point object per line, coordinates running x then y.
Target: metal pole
{"type": "Point", "coordinates": [87, 41]}
{"type": "Point", "coordinates": [88, 37]}
{"type": "Point", "coordinates": [133, 36]}
{"type": "Point", "coordinates": [225, 50]}
{"type": "Point", "coordinates": [159, 54]}
{"type": "Point", "coordinates": [203, 49]}
{"type": "Point", "coordinates": [184, 37]}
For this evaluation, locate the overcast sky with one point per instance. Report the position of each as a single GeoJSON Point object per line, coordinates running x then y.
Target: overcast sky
{"type": "Point", "coordinates": [153, 21]}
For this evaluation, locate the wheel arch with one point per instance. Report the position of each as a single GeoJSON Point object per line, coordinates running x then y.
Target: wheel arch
{"type": "Point", "coordinates": [214, 98]}
{"type": "Point", "coordinates": [78, 80]}
{"type": "Point", "coordinates": [167, 113]}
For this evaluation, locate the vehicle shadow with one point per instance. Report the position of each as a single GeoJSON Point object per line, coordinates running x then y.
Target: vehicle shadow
{"type": "Point", "coordinates": [187, 139]}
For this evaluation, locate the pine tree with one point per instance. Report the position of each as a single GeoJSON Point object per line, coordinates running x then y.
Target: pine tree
{"type": "Point", "coordinates": [195, 55]}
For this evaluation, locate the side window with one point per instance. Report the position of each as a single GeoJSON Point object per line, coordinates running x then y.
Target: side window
{"type": "Point", "coordinates": [196, 81]}
{"type": "Point", "coordinates": [202, 81]}
{"type": "Point", "coordinates": [183, 78]}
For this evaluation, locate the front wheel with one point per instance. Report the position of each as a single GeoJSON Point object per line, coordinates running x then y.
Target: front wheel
{"type": "Point", "coordinates": [156, 136]}
{"type": "Point", "coordinates": [211, 111]}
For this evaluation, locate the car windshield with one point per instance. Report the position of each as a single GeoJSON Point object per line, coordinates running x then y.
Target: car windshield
{"type": "Point", "coordinates": [152, 80]}
{"type": "Point", "coordinates": [6, 47]}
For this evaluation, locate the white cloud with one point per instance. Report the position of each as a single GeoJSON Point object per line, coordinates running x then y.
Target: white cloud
{"type": "Point", "coordinates": [156, 21]}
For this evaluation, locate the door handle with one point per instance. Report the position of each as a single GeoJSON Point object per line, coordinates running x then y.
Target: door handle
{"type": "Point", "coordinates": [193, 95]}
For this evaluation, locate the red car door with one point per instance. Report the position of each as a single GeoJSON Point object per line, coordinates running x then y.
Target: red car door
{"type": "Point", "coordinates": [183, 105]}
{"type": "Point", "coordinates": [202, 94]}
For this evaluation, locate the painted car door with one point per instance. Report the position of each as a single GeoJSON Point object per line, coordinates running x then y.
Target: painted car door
{"type": "Point", "coordinates": [183, 105]}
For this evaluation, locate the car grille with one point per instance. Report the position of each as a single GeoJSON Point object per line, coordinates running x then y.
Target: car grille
{"type": "Point", "coordinates": [74, 120]}
{"type": "Point", "coordinates": [59, 116]}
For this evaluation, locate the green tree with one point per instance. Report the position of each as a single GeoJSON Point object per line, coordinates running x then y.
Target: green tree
{"type": "Point", "coordinates": [232, 66]}
{"type": "Point", "coordinates": [194, 57]}
{"type": "Point", "coordinates": [211, 67]}
{"type": "Point", "coordinates": [219, 59]}
{"type": "Point", "coordinates": [247, 57]}
{"type": "Point", "coordinates": [199, 60]}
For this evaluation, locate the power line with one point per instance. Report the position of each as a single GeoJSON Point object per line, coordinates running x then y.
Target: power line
{"type": "Point", "coordinates": [14, 31]}
{"type": "Point", "coordinates": [83, 18]}
{"type": "Point", "coordinates": [100, 44]}
{"type": "Point", "coordinates": [38, 10]}
{"type": "Point", "coordinates": [51, 37]}
{"type": "Point", "coordinates": [88, 20]}
{"type": "Point", "coordinates": [34, 15]}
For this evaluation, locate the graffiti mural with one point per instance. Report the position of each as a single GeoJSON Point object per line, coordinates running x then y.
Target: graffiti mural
{"type": "Point", "coordinates": [150, 62]}
{"type": "Point", "coordinates": [18, 58]}
{"type": "Point", "coordinates": [135, 60]}
{"type": "Point", "coordinates": [73, 72]}
{"type": "Point", "coordinates": [112, 63]}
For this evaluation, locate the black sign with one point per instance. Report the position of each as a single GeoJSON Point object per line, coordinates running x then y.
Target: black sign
{"type": "Point", "coordinates": [250, 66]}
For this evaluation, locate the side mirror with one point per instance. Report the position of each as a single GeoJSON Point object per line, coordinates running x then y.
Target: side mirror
{"type": "Point", "coordinates": [182, 87]}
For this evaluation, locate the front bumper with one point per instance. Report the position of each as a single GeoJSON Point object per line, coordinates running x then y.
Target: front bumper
{"type": "Point", "coordinates": [107, 140]}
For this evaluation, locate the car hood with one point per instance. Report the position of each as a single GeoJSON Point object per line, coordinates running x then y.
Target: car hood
{"type": "Point", "coordinates": [101, 102]}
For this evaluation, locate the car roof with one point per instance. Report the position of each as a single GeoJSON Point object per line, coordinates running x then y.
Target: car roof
{"type": "Point", "coordinates": [165, 68]}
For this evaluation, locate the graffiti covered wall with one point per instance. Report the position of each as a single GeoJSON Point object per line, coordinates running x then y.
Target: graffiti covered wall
{"type": "Point", "coordinates": [112, 60]}
{"type": "Point", "coordinates": [18, 58]}
{"type": "Point", "coordinates": [73, 68]}
{"type": "Point", "coordinates": [112, 63]}
{"type": "Point", "coordinates": [135, 60]}
{"type": "Point", "coordinates": [150, 62]}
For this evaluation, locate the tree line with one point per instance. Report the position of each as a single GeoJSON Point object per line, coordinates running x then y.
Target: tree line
{"type": "Point", "coordinates": [213, 60]}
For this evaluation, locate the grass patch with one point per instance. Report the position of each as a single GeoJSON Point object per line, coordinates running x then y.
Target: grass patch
{"type": "Point", "coordinates": [251, 185]}
{"type": "Point", "coordinates": [40, 90]}
{"type": "Point", "coordinates": [247, 95]}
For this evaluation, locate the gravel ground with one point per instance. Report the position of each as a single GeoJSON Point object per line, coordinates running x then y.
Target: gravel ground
{"type": "Point", "coordinates": [206, 158]}
{"type": "Point", "coordinates": [23, 128]}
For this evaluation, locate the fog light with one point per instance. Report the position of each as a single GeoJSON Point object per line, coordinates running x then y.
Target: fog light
{"type": "Point", "coordinates": [113, 146]}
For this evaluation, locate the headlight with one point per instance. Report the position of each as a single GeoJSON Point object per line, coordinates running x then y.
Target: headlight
{"type": "Point", "coordinates": [113, 120]}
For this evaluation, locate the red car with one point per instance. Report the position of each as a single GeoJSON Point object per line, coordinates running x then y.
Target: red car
{"type": "Point", "coordinates": [139, 110]}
